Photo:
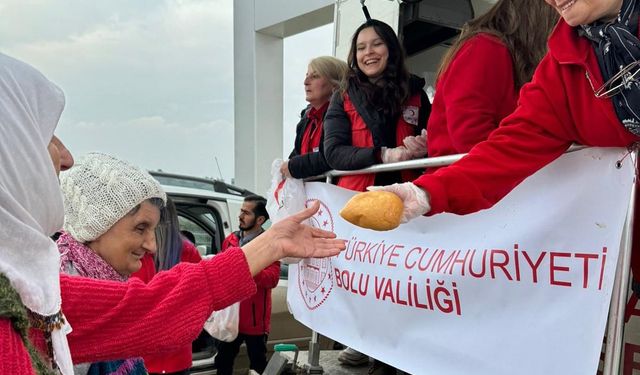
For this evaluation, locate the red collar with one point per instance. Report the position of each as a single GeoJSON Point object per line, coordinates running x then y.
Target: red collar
{"type": "Point", "coordinates": [317, 114]}
{"type": "Point", "coordinates": [566, 46]}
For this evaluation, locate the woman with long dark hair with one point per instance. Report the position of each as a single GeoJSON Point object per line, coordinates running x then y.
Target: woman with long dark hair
{"type": "Point", "coordinates": [379, 114]}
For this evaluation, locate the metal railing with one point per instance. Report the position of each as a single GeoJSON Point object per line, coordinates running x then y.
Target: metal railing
{"type": "Point", "coordinates": [615, 325]}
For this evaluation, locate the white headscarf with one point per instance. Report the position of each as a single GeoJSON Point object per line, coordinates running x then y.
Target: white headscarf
{"type": "Point", "coordinates": [30, 200]}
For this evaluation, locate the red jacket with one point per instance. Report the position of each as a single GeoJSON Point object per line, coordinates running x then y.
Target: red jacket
{"type": "Point", "coordinates": [113, 320]}
{"type": "Point", "coordinates": [180, 359]}
{"type": "Point", "coordinates": [255, 311]}
{"type": "Point", "coordinates": [352, 142]}
{"type": "Point", "coordinates": [472, 96]}
{"type": "Point", "coordinates": [556, 109]}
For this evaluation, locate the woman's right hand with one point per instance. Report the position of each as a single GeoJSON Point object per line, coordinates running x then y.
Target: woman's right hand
{"type": "Point", "coordinates": [414, 199]}
{"type": "Point", "coordinates": [291, 238]}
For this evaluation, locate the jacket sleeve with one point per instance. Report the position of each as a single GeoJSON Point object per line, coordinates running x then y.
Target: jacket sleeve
{"type": "Point", "coordinates": [475, 95]}
{"type": "Point", "coordinates": [112, 320]}
{"type": "Point", "coordinates": [308, 165]}
{"type": "Point", "coordinates": [269, 277]}
{"type": "Point", "coordinates": [533, 136]}
{"type": "Point", "coordinates": [338, 146]}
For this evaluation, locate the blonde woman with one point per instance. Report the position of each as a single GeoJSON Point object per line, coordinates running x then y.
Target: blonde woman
{"type": "Point", "coordinates": [324, 76]}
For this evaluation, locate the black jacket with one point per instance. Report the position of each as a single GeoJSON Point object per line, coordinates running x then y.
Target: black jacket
{"type": "Point", "coordinates": [340, 153]}
{"type": "Point", "coordinates": [311, 164]}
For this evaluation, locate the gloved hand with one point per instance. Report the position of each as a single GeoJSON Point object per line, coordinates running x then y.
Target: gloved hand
{"type": "Point", "coordinates": [416, 200]}
{"type": "Point", "coordinates": [417, 145]}
{"type": "Point", "coordinates": [284, 169]}
{"type": "Point", "coordinates": [392, 155]}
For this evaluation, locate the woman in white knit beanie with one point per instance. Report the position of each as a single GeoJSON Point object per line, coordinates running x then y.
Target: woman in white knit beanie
{"type": "Point", "coordinates": [108, 320]}
{"type": "Point", "coordinates": [111, 210]}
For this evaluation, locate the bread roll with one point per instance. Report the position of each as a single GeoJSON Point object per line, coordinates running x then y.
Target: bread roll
{"type": "Point", "coordinates": [377, 210]}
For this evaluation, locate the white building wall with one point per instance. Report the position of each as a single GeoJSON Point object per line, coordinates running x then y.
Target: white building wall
{"type": "Point", "coordinates": [259, 29]}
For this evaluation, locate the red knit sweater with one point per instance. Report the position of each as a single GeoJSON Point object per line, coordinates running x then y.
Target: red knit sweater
{"type": "Point", "coordinates": [113, 320]}
{"type": "Point", "coordinates": [179, 360]}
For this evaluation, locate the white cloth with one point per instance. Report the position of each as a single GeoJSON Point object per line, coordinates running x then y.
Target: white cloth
{"type": "Point", "coordinates": [30, 199]}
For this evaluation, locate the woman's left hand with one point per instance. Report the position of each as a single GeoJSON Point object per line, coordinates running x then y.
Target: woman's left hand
{"type": "Point", "coordinates": [291, 238]}
{"type": "Point", "coordinates": [284, 169]}
{"type": "Point", "coordinates": [417, 145]}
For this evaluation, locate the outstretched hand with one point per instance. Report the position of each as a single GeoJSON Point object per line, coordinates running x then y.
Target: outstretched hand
{"type": "Point", "coordinates": [291, 238]}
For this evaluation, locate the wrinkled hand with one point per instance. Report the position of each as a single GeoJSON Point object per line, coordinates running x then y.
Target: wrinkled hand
{"type": "Point", "coordinates": [392, 155]}
{"type": "Point", "coordinates": [417, 145]}
{"type": "Point", "coordinates": [284, 169]}
{"type": "Point", "coordinates": [290, 238]}
{"type": "Point", "coordinates": [415, 200]}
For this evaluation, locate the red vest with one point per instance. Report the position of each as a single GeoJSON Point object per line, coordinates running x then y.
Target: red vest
{"type": "Point", "coordinates": [361, 137]}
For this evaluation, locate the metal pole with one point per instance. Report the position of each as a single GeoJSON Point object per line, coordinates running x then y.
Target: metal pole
{"type": "Point", "coordinates": [615, 325]}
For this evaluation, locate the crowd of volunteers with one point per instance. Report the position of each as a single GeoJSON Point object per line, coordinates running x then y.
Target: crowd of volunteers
{"type": "Point", "coordinates": [520, 84]}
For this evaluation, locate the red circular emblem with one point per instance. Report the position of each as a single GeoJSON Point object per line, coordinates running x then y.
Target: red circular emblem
{"type": "Point", "coordinates": [314, 275]}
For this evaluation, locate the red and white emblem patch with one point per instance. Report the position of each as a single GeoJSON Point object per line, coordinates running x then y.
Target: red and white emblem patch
{"type": "Point", "coordinates": [314, 275]}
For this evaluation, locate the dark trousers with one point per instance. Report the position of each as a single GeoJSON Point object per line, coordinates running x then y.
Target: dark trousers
{"type": "Point", "coordinates": [256, 349]}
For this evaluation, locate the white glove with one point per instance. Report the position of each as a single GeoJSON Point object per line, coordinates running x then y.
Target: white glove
{"type": "Point", "coordinates": [392, 155]}
{"type": "Point", "coordinates": [416, 200]}
{"type": "Point", "coordinates": [417, 145]}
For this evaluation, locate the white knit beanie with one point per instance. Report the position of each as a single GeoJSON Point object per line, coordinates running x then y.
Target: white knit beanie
{"type": "Point", "coordinates": [100, 190]}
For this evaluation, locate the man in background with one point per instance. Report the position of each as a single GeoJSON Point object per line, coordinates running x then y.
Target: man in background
{"type": "Point", "coordinates": [255, 312]}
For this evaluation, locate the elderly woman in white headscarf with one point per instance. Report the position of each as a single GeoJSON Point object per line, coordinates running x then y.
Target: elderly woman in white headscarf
{"type": "Point", "coordinates": [110, 320]}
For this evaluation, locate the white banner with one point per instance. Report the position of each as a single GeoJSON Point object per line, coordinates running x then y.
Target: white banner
{"type": "Point", "coordinates": [521, 288]}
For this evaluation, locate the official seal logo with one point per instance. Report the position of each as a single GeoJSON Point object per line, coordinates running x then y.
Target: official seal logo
{"type": "Point", "coordinates": [314, 275]}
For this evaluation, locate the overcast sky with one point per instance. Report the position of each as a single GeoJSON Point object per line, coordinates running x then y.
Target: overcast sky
{"type": "Point", "coordinates": [150, 81]}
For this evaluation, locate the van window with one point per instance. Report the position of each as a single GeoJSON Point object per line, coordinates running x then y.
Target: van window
{"type": "Point", "coordinates": [204, 241]}
{"type": "Point", "coordinates": [203, 221]}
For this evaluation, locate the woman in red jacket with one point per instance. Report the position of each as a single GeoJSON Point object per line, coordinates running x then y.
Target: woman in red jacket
{"type": "Point", "coordinates": [480, 76]}
{"type": "Point", "coordinates": [379, 114]}
{"type": "Point", "coordinates": [110, 320]}
{"type": "Point", "coordinates": [585, 90]}
{"type": "Point", "coordinates": [324, 76]}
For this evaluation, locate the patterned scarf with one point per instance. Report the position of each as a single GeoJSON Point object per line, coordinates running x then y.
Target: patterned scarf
{"type": "Point", "coordinates": [78, 259]}
{"type": "Point", "coordinates": [616, 45]}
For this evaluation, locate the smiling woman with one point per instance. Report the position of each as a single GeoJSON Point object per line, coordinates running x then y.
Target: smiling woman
{"type": "Point", "coordinates": [379, 114]}
{"type": "Point", "coordinates": [111, 212]}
